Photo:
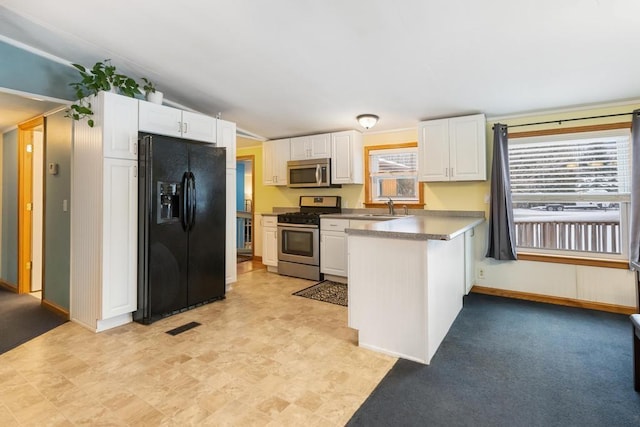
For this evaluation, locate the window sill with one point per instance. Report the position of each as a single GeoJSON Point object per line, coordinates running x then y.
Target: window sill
{"type": "Point", "coordinates": [396, 204]}
{"type": "Point", "coordinates": [592, 262]}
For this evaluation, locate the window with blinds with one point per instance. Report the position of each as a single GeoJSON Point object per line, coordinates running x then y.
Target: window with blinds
{"type": "Point", "coordinates": [393, 174]}
{"type": "Point", "coordinates": [570, 192]}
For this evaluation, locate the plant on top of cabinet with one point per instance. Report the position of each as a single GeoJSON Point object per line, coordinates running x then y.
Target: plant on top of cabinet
{"type": "Point", "coordinates": [102, 76]}
{"type": "Point", "coordinates": [150, 91]}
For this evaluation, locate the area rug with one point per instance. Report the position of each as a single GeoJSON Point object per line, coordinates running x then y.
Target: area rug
{"type": "Point", "coordinates": [23, 318]}
{"type": "Point", "coordinates": [327, 291]}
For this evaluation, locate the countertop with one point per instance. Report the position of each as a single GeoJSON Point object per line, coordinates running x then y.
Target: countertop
{"type": "Point", "coordinates": [419, 227]}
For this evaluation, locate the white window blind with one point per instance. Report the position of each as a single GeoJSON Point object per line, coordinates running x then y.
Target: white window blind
{"type": "Point", "coordinates": [393, 174]}
{"type": "Point", "coordinates": [570, 168]}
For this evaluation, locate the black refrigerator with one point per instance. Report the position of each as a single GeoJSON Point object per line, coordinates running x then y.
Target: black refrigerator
{"type": "Point", "coordinates": [181, 244]}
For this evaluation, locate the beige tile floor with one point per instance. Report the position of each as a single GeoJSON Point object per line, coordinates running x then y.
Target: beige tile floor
{"type": "Point", "coordinates": [262, 357]}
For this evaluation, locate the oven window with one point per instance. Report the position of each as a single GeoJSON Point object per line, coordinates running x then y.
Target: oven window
{"type": "Point", "coordinates": [297, 242]}
{"type": "Point", "coordinates": [306, 175]}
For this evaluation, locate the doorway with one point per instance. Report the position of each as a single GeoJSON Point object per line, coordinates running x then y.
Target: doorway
{"type": "Point", "coordinates": [30, 205]}
{"type": "Point", "coordinates": [245, 184]}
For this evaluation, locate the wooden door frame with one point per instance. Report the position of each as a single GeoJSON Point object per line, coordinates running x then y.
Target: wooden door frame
{"type": "Point", "coordinates": [252, 159]}
{"type": "Point", "coordinates": [25, 195]}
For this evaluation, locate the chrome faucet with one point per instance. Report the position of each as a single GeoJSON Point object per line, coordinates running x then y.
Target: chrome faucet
{"type": "Point", "coordinates": [391, 209]}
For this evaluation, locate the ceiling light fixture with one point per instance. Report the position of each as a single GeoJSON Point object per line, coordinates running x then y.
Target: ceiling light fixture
{"type": "Point", "coordinates": [367, 121]}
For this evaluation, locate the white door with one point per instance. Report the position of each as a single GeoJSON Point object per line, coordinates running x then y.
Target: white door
{"type": "Point", "coordinates": [37, 229]}
{"type": "Point", "coordinates": [320, 146]}
{"type": "Point", "coordinates": [467, 148]}
{"type": "Point", "coordinates": [120, 237]}
{"type": "Point", "coordinates": [120, 126]}
{"type": "Point", "coordinates": [198, 127]}
{"type": "Point", "coordinates": [433, 150]}
{"type": "Point", "coordinates": [159, 119]}
{"type": "Point", "coordinates": [334, 253]}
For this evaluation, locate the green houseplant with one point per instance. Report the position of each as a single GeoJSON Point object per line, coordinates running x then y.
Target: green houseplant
{"type": "Point", "coordinates": [150, 91]}
{"type": "Point", "coordinates": [102, 76]}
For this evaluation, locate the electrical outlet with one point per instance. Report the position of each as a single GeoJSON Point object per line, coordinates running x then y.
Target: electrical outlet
{"type": "Point", "coordinates": [481, 273]}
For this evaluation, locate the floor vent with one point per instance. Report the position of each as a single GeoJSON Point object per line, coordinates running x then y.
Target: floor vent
{"type": "Point", "coordinates": [181, 329]}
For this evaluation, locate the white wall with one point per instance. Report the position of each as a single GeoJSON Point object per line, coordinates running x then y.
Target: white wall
{"type": "Point", "coordinates": [593, 284]}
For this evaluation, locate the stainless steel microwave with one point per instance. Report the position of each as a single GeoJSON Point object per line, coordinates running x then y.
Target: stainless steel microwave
{"type": "Point", "coordinates": [310, 173]}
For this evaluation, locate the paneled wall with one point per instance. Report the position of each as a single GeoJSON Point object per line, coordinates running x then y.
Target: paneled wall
{"type": "Point", "coordinates": [57, 220]}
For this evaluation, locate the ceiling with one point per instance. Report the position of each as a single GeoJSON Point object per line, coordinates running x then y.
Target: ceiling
{"type": "Point", "coordinates": [15, 109]}
{"type": "Point", "coordinates": [284, 68]}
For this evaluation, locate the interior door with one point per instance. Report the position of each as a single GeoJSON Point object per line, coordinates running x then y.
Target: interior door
{"type": "Point", "coordinates": [207, 236]}
{"type": "Point", "coordinates": [25, 202]}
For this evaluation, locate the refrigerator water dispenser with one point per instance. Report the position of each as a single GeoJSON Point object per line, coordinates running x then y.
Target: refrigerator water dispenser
{"type": "Point", "coordinates": [168, 202]}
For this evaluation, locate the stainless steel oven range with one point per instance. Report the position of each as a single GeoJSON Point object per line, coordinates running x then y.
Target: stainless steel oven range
{"type": "Point", "coordinates": [299, 237]}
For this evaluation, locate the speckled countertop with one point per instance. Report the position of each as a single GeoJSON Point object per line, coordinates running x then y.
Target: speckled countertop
{"type": "Point", "coordinates": [418, 225]}
{"type": "Point", "coordinates": [438, 226]}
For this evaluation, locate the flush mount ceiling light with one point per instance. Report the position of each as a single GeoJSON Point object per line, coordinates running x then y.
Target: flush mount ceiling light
{"type": "Point", "coordinates": [367, 121]}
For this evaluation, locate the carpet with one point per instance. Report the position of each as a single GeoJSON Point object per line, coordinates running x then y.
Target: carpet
{"type": "Point", "coordinates": [243, 258]}
{"type": "Point", "coordinates": [22, 318]}
{"type": "Point", "coordinates": [326, 291]}
{"type": "Point", "coordinates": [507, 362]}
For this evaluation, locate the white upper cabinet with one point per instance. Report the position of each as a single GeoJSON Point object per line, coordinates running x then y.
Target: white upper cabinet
{"type": "Point", "coordinates": [275, 155]}
{"type": "Point", "coordinates": [164, 120]}
{"type": "Point", "coordinates": [198, 127]}
{"type": "Point", "coordinates": [452, 149]}
{"type": "Point", "coordinates": [347, 158]}
{"type": "Point", "coordinates": [120, 126]}
{"type": "Point", "coordinates": [311, 147]}
{"type": "Point", "coordinates": [227, 138]}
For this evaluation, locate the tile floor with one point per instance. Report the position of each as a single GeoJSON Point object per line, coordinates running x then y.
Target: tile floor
{"type": "Point", "coordinates": [261, 357]}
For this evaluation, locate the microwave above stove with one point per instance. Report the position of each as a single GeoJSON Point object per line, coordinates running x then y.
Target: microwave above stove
{"type": "Point", "coordinates": [312, 173]}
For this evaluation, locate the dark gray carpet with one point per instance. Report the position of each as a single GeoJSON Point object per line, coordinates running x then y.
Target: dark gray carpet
{"type": "Point", "coordinates": [23, 318]}
{"type": "Point", "coordinates": [515, 363]}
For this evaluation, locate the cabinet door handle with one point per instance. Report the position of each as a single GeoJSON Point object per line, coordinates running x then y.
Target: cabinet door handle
{"type": "Point", "coordinates": [135, 148]}
{"type": "Point", "coordinates": [180, 127]}
{"type": "Point", "coordinates": [446, 172]}
{"type": "Point", "coordinates": [185, 125]}
{"type": "Point", "coordinates": [135, 171]}
{"type": "Point", "coordinates": [451, 172]}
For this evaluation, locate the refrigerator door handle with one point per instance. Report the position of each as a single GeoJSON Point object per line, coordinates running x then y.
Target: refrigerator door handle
{"type": "Point", "coordinates": [185, 201]}
{"type": "Point", "coordinates": [192, 200]}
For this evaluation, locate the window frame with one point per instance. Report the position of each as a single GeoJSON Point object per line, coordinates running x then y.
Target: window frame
{"type": "Point", "coordinates": [578, 257]}
{"type": "Point", "coordinates": [368, 203]}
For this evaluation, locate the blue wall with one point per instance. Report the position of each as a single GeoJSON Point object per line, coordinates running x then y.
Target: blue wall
{"type": "Point", "coordinates": [27, 72]}
{"type": "Point", "coordinates": [57, 223]}
{"type": "Point", "coordinates": [239, 186]}
{"type": "Point", "coordinates": [9, 258]}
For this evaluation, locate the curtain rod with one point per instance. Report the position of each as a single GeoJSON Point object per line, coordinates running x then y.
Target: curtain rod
{"type": "Point", "coordinates": [568, 120]}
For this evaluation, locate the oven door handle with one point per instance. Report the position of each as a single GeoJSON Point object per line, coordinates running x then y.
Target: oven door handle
{"type": "Point", "coordinates": [297, 225]}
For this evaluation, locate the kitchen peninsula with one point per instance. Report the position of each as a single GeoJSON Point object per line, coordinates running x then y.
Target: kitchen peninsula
{"type": "Point", "coordinates": [407, 280]}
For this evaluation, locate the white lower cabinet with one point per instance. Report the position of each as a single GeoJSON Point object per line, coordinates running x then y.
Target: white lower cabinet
{"type": "Point", "coordinates": [270, 242]}
{"type": "Point", "coordinates": [119, 241]}
{"type": "Point", "coordinates": [333, 246]}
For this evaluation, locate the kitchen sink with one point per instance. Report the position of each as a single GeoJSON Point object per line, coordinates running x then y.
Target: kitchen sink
{"type": "Point", "coordinates": [383, 215]}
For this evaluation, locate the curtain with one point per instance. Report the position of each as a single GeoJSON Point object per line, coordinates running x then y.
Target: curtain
{"type": "Point", "coordinates": [502, 244]}
{"type": "Point", "coordinates": [634, 239]}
